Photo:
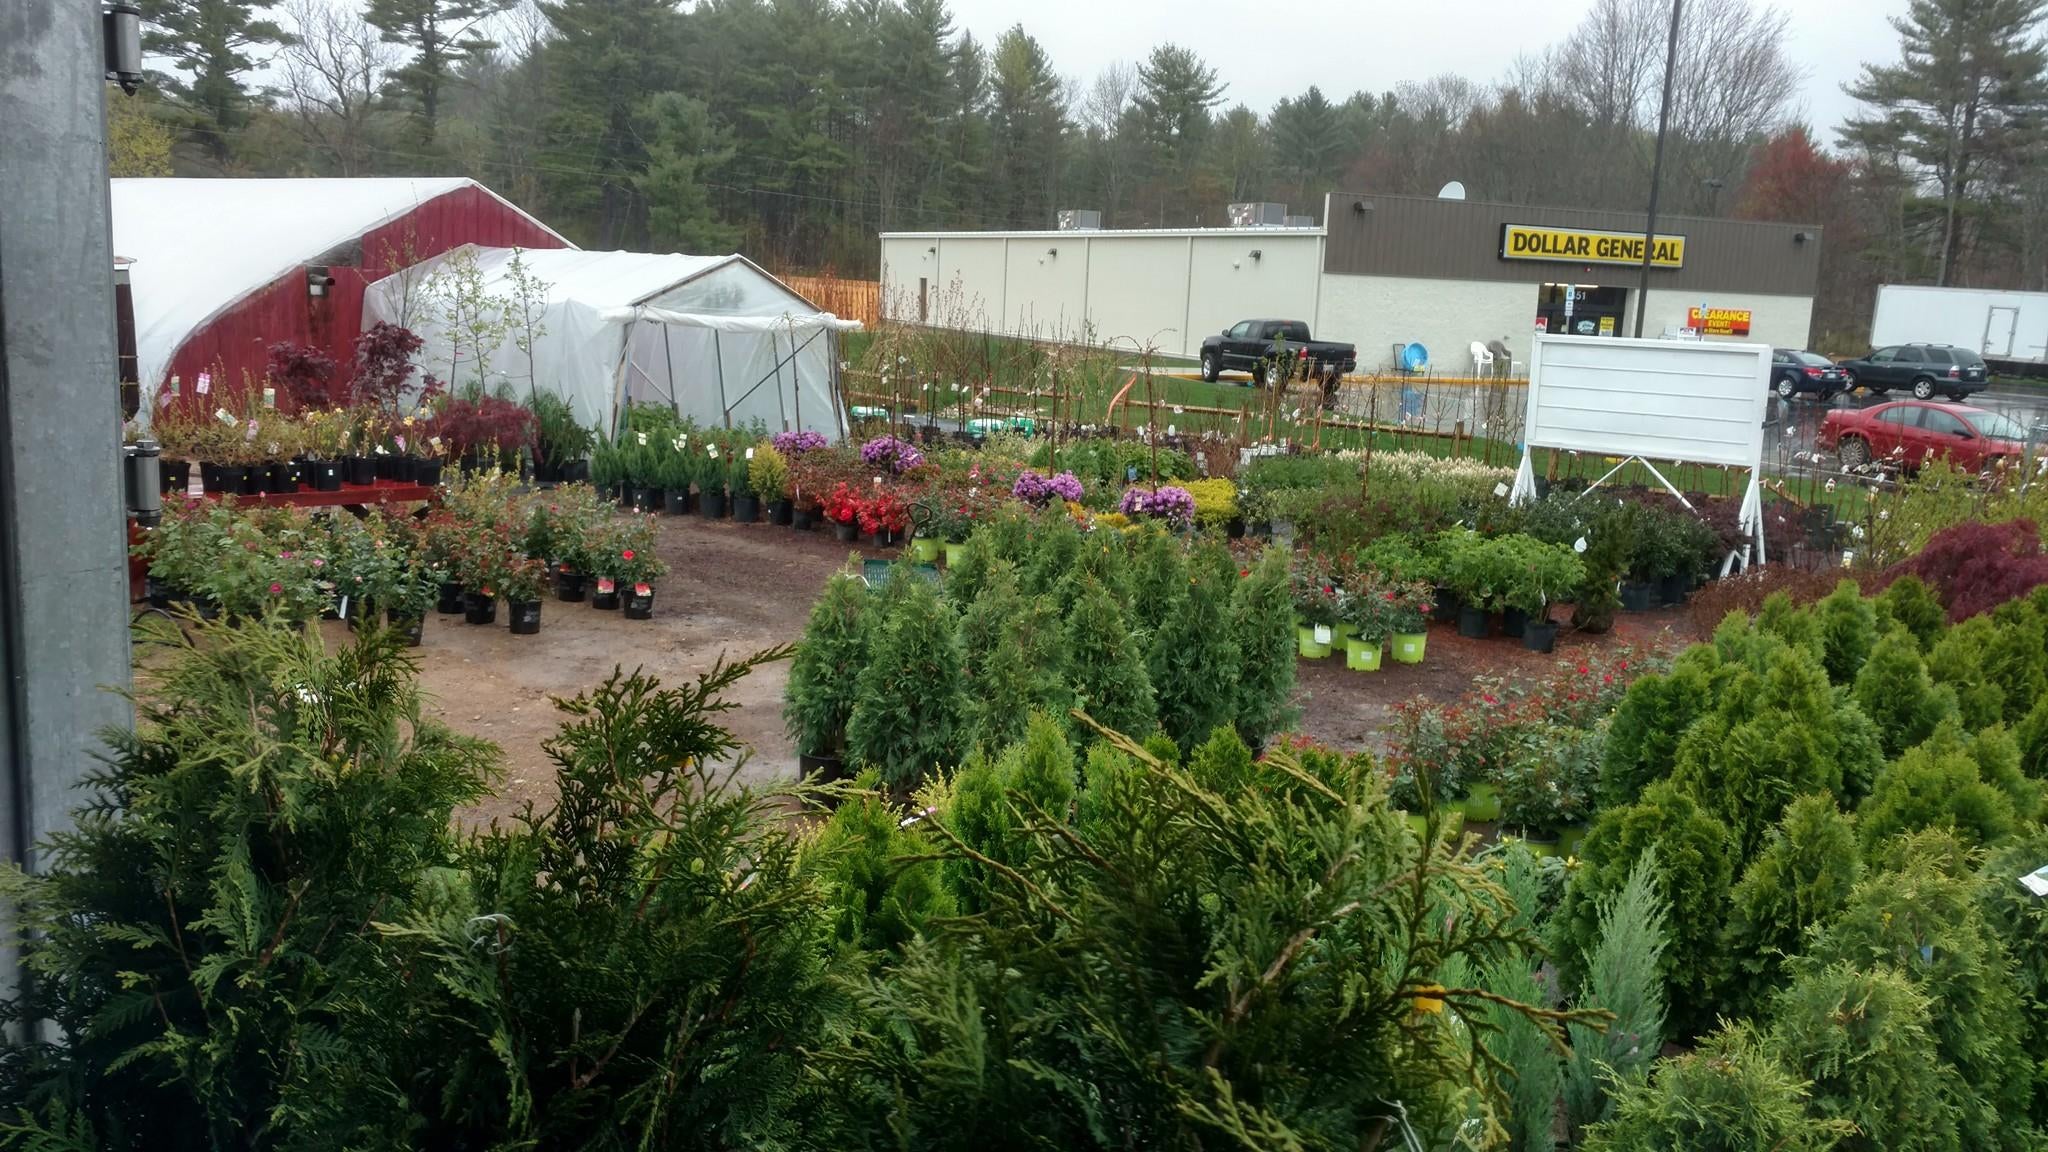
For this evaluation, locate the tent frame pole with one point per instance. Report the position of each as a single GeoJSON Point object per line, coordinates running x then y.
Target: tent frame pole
{"type": "Point", "coordinates": [718, 352]}
{"type": "Point", "coordinates": [668, 353]}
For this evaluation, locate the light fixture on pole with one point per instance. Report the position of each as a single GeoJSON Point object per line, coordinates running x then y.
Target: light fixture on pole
{"type": "Point", "coordinates": [121, 34]}
{"type": "Point", "coordinates": [1657, 169]}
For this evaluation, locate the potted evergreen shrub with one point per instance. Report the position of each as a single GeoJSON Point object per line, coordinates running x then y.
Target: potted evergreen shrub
{"type": "Point", "coordinates": [1407, 620]}
{"type": "Point", "coordinates": [739, 481]}
{"type": "Point", "coordinates": [768, 472]}
{"type": "Point", "coordinates": [711, 483]}
{"type": "Point", "coordinates": [523, 581]}
{"type": "Point", "coordinates": [675, 474]}
{"type": "Point", "coordinates": [1540, 574]}
{"type": "Point", "coordinates": [822, 689]}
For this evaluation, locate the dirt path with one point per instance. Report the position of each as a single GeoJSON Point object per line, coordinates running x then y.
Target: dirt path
{"type": "Point", "coordinates": [736, 589]}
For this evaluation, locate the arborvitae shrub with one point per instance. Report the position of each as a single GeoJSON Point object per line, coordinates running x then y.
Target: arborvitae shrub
{"type": "Point", "coordinates": [1055, 552]}
{"type": "Point", "coordinates": [1803, 876]}
{"type": "Point", "coordinates": [1013, 652]}
{"type": "Point", "coordinates": [1862, 1037]}
{"type": "Point", "coordinates": [911, 714]}
{"type": "Point", "coordinates": [2020, 919]}
{"type": "Point", "coordinates": [1957, 661]}
{"type": "Point", "coordinates": [1642, 739]}
{"type": "Point", "coordinates": [1909, 603]}
{"type": "Point", "coordinates": [1194, 657]}
{"type": "Point", "coordinates": [876, 898]}
{"type": "Point", "coordinates": [2016, 659]}
{"type": "Point", "coordinates": [979, 560]}
{"type": "Point", "coordinates": [1159, 578]}
{"type": "Point", "coordinates": [1262, 628]}
{"type": "Point", "coordinates": [1107, 661]}
{"type": "Point", "coordinates": [1731, 1094]}
{"type": "Point", "coordinates": [824, 678]}
{"type": "Point", "coordinates": [1104, 557]}
{"type": "Point", "coordinates": [1848, 625]}
{"type": "Point", "coordinates": [1794, 625]}
{"type": "Point", "coordinates": [1937, 784]}
{"type": "Point", "coordinates": [1894, 690]}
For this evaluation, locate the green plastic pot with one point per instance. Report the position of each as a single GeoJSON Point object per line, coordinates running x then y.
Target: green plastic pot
{"type": "Point", "coordinates": [1481, 802]}
{"type": "Point", "coordinates": [1362, 655]}
{"type": "Point", "coordinates": [1346, 632]}
{"type": "Point", "coordinates": [1306, 641]}
{"type": "Point", "coordinates": [1408, 646]}
{"type": "Point", "coordinates": [1570, 837]}
{"type": "Point", "coordinates": [954, 553]}
{"type": "Point", "coordinates": [925, 551]}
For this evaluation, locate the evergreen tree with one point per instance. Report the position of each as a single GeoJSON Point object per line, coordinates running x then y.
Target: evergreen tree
{"type": "Point", "coordinates": [823, 684]}
{"type": "Point", "coordinates": [1956, 661]}
{"type": "Point", "coordinates": [1909, 603]}
{"type": "Point", "coordinates": [210, 46]}
{"type": "Point", "coordinates": [1194, 659]}
{"type": "Point", "coordinates": [684, 149]}
{"type": "Point", "coordinates": [1109, 677]}
{"type": "Point", "coordinates": [1731, 1094]}
{"type": "Point", "coordinates": [877, 890]}
{"type": "Point", "coordinates": [1176, 92]}
{"type": "Point", "coordinates": [1803, 876]}
{"type": "Point", "coordinates": [1847, 625]}
{"type": "Point", "coordinates": [1307, 140]}
{"type": "Point", "coordinates": [1940, 783]}
{"type": "Point", "coordinates": [1014, 659]}
{"type": "Point", "coordinates": [1962, 102]}
{"type": "Point", "coordinates": [443, 36]}
{"type": "Point", "coordinates": [1894, 690]}
{"type": "Point", "coordinates": [1861, 1036]}
{"type": "Point", "coordinates": [1262, 631]}
{"type": "Point", "coordinates": [1643, 736]}
{"type": "Point", "coordinates": [603, 60]}
{"type": "Point", "coordinates": [1623, 976]}
{"type": "Point", "coordinates": [910, 717]}
{"type": "Point", "coordinates": [1159, 578]}
{"type": "Point", "coordinates": [1027, 122]}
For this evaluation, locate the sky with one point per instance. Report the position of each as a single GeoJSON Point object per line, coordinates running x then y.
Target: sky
{"type": "Point", "coordinates": [1376, 44]}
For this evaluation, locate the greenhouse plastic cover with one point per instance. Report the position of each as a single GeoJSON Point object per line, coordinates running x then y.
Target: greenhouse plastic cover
{"type": "Point", "coordinates": [714, 336]}
{"type": "Point", "coordinates": [201, 246]}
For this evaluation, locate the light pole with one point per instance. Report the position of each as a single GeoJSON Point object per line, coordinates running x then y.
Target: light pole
{"type": "Point", "coordinates": [1657, 169]}
{"type": "Point", "coordinates": [1714, 185]}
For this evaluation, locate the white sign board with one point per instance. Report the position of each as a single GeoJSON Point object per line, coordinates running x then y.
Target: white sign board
{"type": "Point", "coordinates": [1658, 399]}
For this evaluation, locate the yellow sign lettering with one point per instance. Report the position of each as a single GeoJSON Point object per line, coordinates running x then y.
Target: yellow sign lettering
{"type": "Point", "coordinates": [1529, 242]}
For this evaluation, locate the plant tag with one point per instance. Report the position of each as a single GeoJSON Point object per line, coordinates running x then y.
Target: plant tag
{"type": "Point", "coordinates": [194, 486]}
{"type": "Point", "coordinates": [1579, 545]}
{"type": "Point", "coordinates": [1322, 633]}
{"type": "Point", "coordinates": [174, 385]}
{"type": "Point", "coordinates": [1500, 489]}
{"type": "Point", "coordinates": [878, 481]}
{"type": "Point", "coordinates": [713, 450]}
{"type": "Point", "coordinates": [1179, 411]}
{"type": "Point", "coordinates": [1848, 558]}
{"type": "Point", "coordinates": [435, 441]}
{"type": "Point", "coordinates": [642, 590]}
{"type": "Point", "coordinates": [269, 396]}
{"type": "Point", "coordinates": [343, 608]}
{"type": "Point", "coordinates": [642, 436]}
{"type": "Point", "coordinates": [605, 585]}
{"type": "Point", "coordinates": [205, 384]}
{"type": "Point", "coordinates": [750, 453]}
{"type": "Point", "coordinates": [224, 416]}
{"type": "Point", "coordinates": [1169, 429]}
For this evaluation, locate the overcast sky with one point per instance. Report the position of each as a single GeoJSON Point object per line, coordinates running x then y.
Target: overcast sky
{"type": "Point", "coordinates": [1375, 44]}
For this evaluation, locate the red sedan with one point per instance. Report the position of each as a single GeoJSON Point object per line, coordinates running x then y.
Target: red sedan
{"type": "Point", "coordinates": [1911, 431]}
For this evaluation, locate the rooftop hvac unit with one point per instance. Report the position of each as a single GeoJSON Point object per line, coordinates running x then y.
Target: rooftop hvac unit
{"type": "Point", "coordinates": [1080, 220]}
{"type": "Point", "coordinates": [1258, 215]}
{"type": "Point", "coordinates": [1300, 221]}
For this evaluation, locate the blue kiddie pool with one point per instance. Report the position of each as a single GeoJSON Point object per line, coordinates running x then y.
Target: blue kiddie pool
{"type": "Point", "coordinates": [1414, 358]}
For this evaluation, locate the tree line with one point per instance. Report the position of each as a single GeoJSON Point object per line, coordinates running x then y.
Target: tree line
{"type": "Point", "coordinates": [795, 130]}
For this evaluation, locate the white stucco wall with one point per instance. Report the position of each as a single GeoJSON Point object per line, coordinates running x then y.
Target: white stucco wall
{"type": "Point", "coordinates": [1780, 321]}
{"type": "Point", "coordinates": [1227, 285]}
{"type": "Point", "coordinates": [1137, 290]}
{"type": "Point", "coordinates": [1444, 316]}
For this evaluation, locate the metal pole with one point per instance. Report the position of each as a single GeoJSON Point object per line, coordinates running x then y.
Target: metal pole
{"type": "Point", "coordinates": [63, 552]}
{"type": "Point", "coordinates": [1657, 168]}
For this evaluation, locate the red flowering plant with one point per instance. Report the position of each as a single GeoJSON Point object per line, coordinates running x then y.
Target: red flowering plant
{"type": "Point", "coordinates": [885, 511]}
{"type": "Point", "coordinates": [630, 558]}
{"type": "Point", "coordinates": [1318, 598]}
{"type": "Point", "coordinates": [842, 505]}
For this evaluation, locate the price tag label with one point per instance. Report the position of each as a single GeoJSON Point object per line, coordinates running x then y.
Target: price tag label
{"type": "Point", "coordinates": [1579, 545]}
{"type": "Point", "coordinates": [174, 385]}
{"type": "Point", "coordinates": [642, 436]}
{"type": "Point", "coordinates": [642, 590]}
{"type": "Point", "coordinates": [224, 416]}
{"type": "Point", "coordinates": [1322, 633]}
{"type": "Point", "coordinates": [605, 585]}
{"type": "Point", "coordinates": [750, 453]}
{"type": "Point", "coordinates": [205, 384]}
{"type": "Point", "coordinates": [1500, 489]}
{"type": "Point", "coordinates": [269, 396]}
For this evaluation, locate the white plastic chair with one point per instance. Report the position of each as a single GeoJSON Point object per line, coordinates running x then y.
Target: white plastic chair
{"type": "Point", "coordinates": [1482, 359]}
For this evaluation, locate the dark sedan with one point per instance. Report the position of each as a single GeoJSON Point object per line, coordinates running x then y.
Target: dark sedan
{"type": "Point", "coordinates": [1794, 371]}
{"type": "Point", "coordinates": [1927, 369]}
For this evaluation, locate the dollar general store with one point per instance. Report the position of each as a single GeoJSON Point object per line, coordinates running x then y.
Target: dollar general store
{"type": "Point", "coordinates": [1382, 272]}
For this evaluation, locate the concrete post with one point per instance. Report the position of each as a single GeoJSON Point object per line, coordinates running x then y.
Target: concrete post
{"type": "Point", "coordinates": [63, 574]}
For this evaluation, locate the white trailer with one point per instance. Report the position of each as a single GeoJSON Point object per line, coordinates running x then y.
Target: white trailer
{"type": "Point", "coordinates": [2010, 329]}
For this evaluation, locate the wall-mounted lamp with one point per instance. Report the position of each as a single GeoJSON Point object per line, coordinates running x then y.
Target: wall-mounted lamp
{"type": "Point", "coordinates": [1257, 253]}
{"type": "Point", "coordinates": [1801, 237]}
{"type": "Point", "coordinates": [1052, 252]}
{"type": "Point", "coordinates": [1361, 206]}
{"type": "Point", "coordinates": [932, 251]}
{"type": "Point", "coordinates": [121, 38]}
{"type": "Point", "coordinates": [318, 282]}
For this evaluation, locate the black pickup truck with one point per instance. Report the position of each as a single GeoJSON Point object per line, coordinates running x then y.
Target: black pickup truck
{"type": "Point", "coordinates": [1254, 345]}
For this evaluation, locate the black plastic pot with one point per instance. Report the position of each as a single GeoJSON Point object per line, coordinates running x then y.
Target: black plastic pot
{"type": "Point", "coordinates": [1446, 608]}
{"type": "Point", "coordinates": [646, 499]}
{"type": "Point", "coordinates": [711, 505]}
{"type": "Point", "coordinates": [846, 533]}
{"type": "Point", "coordinates": [451, 599]}
{"type": "Point", "coordinates": [818, 769]}
{"type": "Point", "coordinates": [382, 465]}
{"type": "Point", "coordinates": [209, 476]}
{"type": "Point", "coordinates": [173, 476]}
{"type": "Point", "coordinates": [604, 595]}
{"type": "Point", "coordinates": [746, 509]}
{"type": "Point", "coordinates": [1512, 621]}
{"type": "Point", "coordinates": [479, 608]}
{"type": "Point", "coordinates": [1475, 623]}
{"type": "Point", "coordinates": [1638, 597]}
{"type": "Point", "coordinates": [640, 603]}
{"type": "Point", "coordinates": [1235, 529]}
{"type": "Point", "coordinates": [157, 593]}
{"type": "Point", "coordinates": [405, 469]}
{"type": "Point", "coordinates": [1258, 529]}
{"type": "Point", "coordinates": [326, 475]}
{"type": "Point", "coordinates": [525, 616]}
{"type": "Point", "coordinates": [284, 477]}
{"type": "Point", "coordinates": [1540, 637]}
{"type": "Point", "coordinates": [803, 517]}
{"type": "Point", "coordinates": [362, 470]}
{"type": "Point", "coordinates": [780, 511]}
{"type": "Point", "coordinates": [888, 539]}
{"type": "Point", "coordinates": [1675, 589]}
{"type": "Point", "coordinates": [427, 472]}
{"type": "Point", "coordinates": [413, 628]}
{"type": "Point", "coordinates": [569, 585]}
{"type": "Point", "coordinates": [675, 501]}
{"type": "Point", "coordinates": [576, 471]}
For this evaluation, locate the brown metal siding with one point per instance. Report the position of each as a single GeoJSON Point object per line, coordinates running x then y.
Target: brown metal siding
{"type": "Point", "coordinates": [1460, 240]}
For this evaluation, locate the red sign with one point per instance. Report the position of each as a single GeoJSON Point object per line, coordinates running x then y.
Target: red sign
{"type": "Point", "coordinates": [1719, 321]}
{"type": "Point", "coordinates": [1543, 323]}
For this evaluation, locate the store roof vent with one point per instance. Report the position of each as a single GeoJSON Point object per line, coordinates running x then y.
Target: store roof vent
{"type": "Point", "coordinates": [1455, 190]}
{"type": "Point", "coordinates": [1263, 214]}
{"type": "Point", "coordinates": [1300, 221]}
{"type": "Point", "coordinates": [1080, 220]}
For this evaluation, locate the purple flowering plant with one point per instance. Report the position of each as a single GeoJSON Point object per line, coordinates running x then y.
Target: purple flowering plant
{"type": "Point", "coordinates": [798, 443]}
{"type": "Point", "coordinates": [1038, 490]}
{"type": "Point", "coordinates": [890, 453]}
{"type": "Point", "coordinates": [1171, 503]}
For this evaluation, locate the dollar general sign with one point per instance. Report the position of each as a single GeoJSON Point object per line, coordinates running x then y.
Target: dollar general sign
{"type": "Point", "coordinates": [1580, 246]}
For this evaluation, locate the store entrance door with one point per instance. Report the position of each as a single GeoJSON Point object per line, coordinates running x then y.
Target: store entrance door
{"type": "Point", "coordinates": [1592, 310]}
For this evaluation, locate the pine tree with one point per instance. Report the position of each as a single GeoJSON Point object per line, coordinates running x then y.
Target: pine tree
{"type": "Point", "coordinates": [1194, 660]}
{"type": "Point", "coordinates": [1962, 102]}
{"type": "Point", "coordinates": [685, 149]}
{"type": "Point", "coordinates": [910, 717]}
{"type": "Point", "coordinates": [210, 46]}
{"type": "Point", "coordinates": [1262, 630]}
{"type": "Point", "coordinates": [443, 35]}
{"type": "Point", "coordinates": [1176, 92]}
{"type": "Point", "coordinates": [1109, 676]}
{"type": "Point", "coordinates": [604, 58]}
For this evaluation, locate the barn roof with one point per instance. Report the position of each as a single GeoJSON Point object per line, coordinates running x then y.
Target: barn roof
{"type": "Point", "coordinates": [201, 246]}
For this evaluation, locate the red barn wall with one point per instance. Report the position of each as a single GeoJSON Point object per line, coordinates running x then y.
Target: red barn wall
{"type": "Point", "coordinates": [238, 340]}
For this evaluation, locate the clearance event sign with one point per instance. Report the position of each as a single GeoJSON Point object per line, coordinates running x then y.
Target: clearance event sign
{"type": "Point", "coordinates": [1581, 246]}
{"type": "Point", "coordinates": [1718, 321]}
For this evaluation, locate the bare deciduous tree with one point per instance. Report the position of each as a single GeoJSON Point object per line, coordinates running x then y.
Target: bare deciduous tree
{"type": "Point", "coordinates": [333, 68]}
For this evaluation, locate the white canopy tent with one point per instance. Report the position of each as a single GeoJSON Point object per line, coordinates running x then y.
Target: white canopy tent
{"type": "Point", "coordinates": [714, 337]}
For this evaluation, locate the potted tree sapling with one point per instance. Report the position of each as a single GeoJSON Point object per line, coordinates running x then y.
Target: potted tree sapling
{"type": "Point", "coordinates": [675, 472]}
{"type": "Point", "coordinates": [523, 580]}
{"type": "Point", "coordinates": [1475, 568]}
{"type": "Point", "coordinates": [768, 473]}
{"type": "Point", "coordinates": [1408, 621]}
{"type": "Point", "coordinates": [1541, 575]}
